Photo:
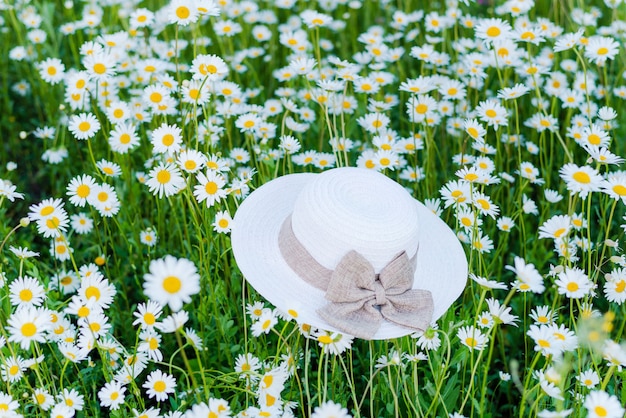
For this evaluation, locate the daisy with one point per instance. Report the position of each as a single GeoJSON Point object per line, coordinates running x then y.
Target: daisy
{"type": "Point", "coordinates": [43, 399]}
{"type": "Point", "coordinates": [615, 286]}
{"type": "Point", "coordinates": [601, 404]}
{"type": "Point", "coordinates": [483, 203]}
{"type": "Point", "coordinates": [603, 156]}
{"type": "Point", "coordinates": [123, 138]}
{"type": "Point", "coordinates": [100, 65]}
{"type": "Point", "coordinates": [50, 216]}
{"type": "Point", "coordinates": [12, 368]}
{"type": "Point", "coordinates": [52, 70]}
{"type": "Point", "coordinates": [165, 180]}
{"type": "Point", "coordinates": [492, 113]}
{"type": "Point", "coordinates": [615, 185]}
{"type": "Point", "coordinates": [8, 405]}
{"type": "Point", "coordinates": [474, 129]}
{"type": "Point", "coordinates": [582, 180]}
{"type": "Point", "coordinates": [112, 395]}
{"type": "Point", "coordinates": [265, 323]}
{"type": "Point", "coordinates": [488, 284]}
{"type": "Point", "coordinates": [247, 365]}
{"type": "Point", "coordinates": [27, 325]}
{"type": "Point", "coordinates": [84, 126]}
{"type": "Point", "coordinates": [545, 341]}
{"type": "Point", "coordinates": [573, 283]}
{"type": "Point", "coordinates": [568, 41]}
{"type": "Point", "coordinates": [81, 223]}
{"type": "Point", "coordinates": [330, 409]}
{"type": "Point", "coordinates": [333, 342]}
{"type": "Point", "coordinates": [601, 48]}
{"type": "Point", "coordinates": [61, 410]}
{"type": "Point", "coordinates": [209, 67]}
{"type": "Point", "coordinates": [557, 227]}
{"type": "Point", "coordinates": [514, 92]}
{"type": "Point", "coordinates": [23, 252]}
{"type": "Point", "coordinates": [147, 314]}
{"type": "Point", "coordinates": [492, 29]}
{"type": "Point", "coordinates": [80, 188]}
{"type": "Point", "coordinates": [104, 199]}
{"type": "Point", "coordinates": [148, 237]}
{"type": "Point", "coordinates": [210, 188]}
{"type": "Point", "coordinates": [171, 282]}
{"type": "Point", "coordinates": [108, 168]}
{"type": "Point", "coordinates": [543, 315]}
{"type": "Point", "coordinates": [72, 399]}
{"type": "Point", "coordinates": [159, 385]}
{"type": "Point", "coordinates": [26, 291]}
{"type": "Point", "coordinates": [166, 139]}
{"type": "Point", "coordinates": [223, 222]}
{"type": "Point", "coordinates": [505, 224]}
{"type": "Point", "coordinates": [150, 344]}
{"type": "Point", "coordinates": [182, 12]}
{"type": "Point", "coordinates": [588, 378]}
{"type": "Point", "coordinates": [527, 278]}
{"type": "Point", "coordinates": [455, 192]}
{"type": "Point", "coordinates": [472, 338]}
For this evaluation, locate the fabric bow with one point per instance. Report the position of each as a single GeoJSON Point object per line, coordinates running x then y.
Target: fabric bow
{"type": "Point", "coordinates": [359, 299]}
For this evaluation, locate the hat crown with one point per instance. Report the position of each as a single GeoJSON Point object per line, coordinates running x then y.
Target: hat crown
{"type": "Point", "coordinates": [355, 209]}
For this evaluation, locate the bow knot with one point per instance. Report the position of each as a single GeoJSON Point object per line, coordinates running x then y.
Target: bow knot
{"type": "Point", "coordinates": [359, 299]}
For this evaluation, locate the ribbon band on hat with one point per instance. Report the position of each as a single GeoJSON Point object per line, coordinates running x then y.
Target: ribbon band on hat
{"type": "Point", "coordinates": [359, 299]}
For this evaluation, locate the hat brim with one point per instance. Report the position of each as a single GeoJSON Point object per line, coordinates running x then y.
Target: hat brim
{"type": "Point", "coordinates": [441, 262]}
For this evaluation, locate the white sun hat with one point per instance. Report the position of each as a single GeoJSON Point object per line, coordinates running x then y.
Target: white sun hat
{"type": "Point", "coordinates": [348, 250]}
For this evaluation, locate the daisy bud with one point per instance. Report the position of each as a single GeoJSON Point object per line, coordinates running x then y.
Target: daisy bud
{"type": "Point", "coordinates": [610, 243]}
{"type": "Point", "coordinates": [23, 135]}
{"type": "Point", "coordinates": [24, 222]}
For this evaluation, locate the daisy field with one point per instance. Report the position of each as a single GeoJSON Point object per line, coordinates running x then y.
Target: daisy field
{"type": "Point", "coordinates": [132, 131]}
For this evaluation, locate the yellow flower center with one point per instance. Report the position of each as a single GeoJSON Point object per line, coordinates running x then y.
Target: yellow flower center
{"type": "Point", "coordinates": [163, 177]}
{"type": "Point", "coordinates": [582, 177]}
{"type": "Point", "coordinates": [26, 295]}
{"type": "Point", "coordinates": [493, 31]}
{"type": "Point", "coordinates": [29, 329]}
{"type": "Point", "coordinates": [99, 68]}
{"type": "Point", "coordinates": [211, 187]}
{"type": "Point", "coordinates": [182, 12]}
{"type": "Point", "coordinates": [172, 284]}
{"type": "Point", "coordinates": [84, 126]}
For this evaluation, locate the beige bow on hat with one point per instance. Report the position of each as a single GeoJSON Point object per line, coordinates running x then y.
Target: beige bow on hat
{"type": "Point", "coordinates": [359, 299]}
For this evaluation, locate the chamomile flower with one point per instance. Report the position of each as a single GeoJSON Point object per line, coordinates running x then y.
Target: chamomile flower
{"type": "Point", "coordinates": [147, 314]}
{"type": "Point", "coordinates": [159, 385]}
{"type": "Point", "coordinates": [166, 139]}
{"type": "Point", "coordinates": [601, 48]}
{"type": "Point", "coordinates": [615, 286]}
{"type": "Point", "coordinates": [601, 404]}
{"type": "Point", "coordinates": [165, 180]}
{"type": "Point", "coordinates": [223, 222]}
{"type": "Point", "coordinates": [123, 138]}
{"type": "Point", "coordinates": [26, 291]}
{"type": "Point", "coordinates": [148, 237]}
{"type": "Point", "coordinates": [109, 168]}
{"type": "Point", "coordinates": [330, 409]}
{"type": "Point", "coordinates": [171, 281]}
{"type": "Point", "coordinates": [52, 70]}
{"type": "Point", "coordinates": [112, 395]}
{"type": "Point", "coordinates": [210, 188]}
{"type": "Point", "coordinates": [84, 126]}
{"type": "Point", "coordinates": [27, 325]}
{"type": "Point", "coordinates": [472, 338]}
{"type": "Point", "coordinates": [527, 278]}
{"type": "Point", "coordinates": [581, 180]}
{"type": "Point", "coordinates": [182, 12]}
{"type": "Point", "coordinates": [333, 342]}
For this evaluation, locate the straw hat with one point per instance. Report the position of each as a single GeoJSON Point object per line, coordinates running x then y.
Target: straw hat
{"type": "Point", "coordinates": [348, 250]}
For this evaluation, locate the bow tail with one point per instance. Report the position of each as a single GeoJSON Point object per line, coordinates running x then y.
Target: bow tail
{"type": "Point", "coordinates": [362, 322]}
{"type": "Point", "coordinates": [413, 309]}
